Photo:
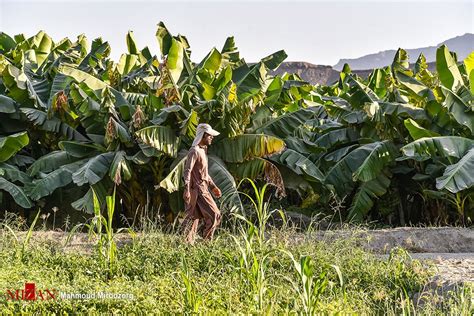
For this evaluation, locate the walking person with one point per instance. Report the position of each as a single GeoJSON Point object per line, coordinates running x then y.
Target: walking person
{"type": "Point", "coordinates": [199, 203]}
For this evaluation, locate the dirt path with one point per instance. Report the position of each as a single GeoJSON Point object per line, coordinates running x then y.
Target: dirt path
{"type": "Point", "coordinates": [453, 268]}
{"type": "Point", "coordinates": [450, 249]}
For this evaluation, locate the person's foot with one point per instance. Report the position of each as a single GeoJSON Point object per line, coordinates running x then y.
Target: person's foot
{"type": "Point", "coordinates": [189, 241]}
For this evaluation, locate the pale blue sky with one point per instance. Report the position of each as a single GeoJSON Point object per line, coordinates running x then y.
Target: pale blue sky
{"type": "Point", "coordinates": [319, 32]}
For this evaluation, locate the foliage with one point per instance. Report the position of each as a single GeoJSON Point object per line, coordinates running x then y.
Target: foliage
{"type": "Point", "coordinates": [74, 122]}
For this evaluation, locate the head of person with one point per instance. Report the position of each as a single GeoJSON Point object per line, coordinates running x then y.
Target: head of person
{"type": "Point", "coordinates": [205, 134]}
{"type": "Point", "coordinates": [207, 139]}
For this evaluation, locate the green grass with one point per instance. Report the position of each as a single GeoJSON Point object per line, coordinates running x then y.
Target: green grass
{"type": "Point", "coordinates": [232, 274]}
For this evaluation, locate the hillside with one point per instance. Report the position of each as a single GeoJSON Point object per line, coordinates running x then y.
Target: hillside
{"type": "Point", "coordinates": [309, 72]}
{"type": "Point", "coordinates": [462, 45]}
{"type": "Point", "coordinates": [321, 74]}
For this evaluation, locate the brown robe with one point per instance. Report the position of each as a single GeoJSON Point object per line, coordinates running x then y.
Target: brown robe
{"type": "Point", "coordinates": [201, 205]}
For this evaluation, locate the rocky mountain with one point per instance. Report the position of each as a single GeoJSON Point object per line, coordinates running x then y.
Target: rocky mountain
{"type": "Point", "coordinates": [309, 72]}
{"type": "Point", "coordinates": [315, 74]}
{"type": "Point", "coordinates": [463, 45]}
{"type": "Point", "coordinates": [320, 74]}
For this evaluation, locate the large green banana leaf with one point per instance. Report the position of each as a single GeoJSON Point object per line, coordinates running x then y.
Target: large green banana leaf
{"type": "Point", "coordinates": [248, 146]}
{"type": "Point", "coordinates": [401, 62]}
{"type": "Point", "coordinates": [7, 105]}
{"type": "Point", "coordinates": [120, 168]}
{"type": "Point", "coordinates": [208, 67]}
{"type": "Point", "coordinates": [251, 82]}
{"type": "Point", "coordinates": [174, 179]}
{"type": "Point", "coordinates": [459, 109]}
{"type": "Point", "coordinates": [274, 91]}
{"type": "Point", "coordinates": [50, 162]}
{"type": "Point", "coordinates": [175, 60]}
{"type": "Point", "coordinates": [294, 181]}
{"type": "Point", "coordinates": [10, 145]}
{"type": "Point", "coordinates": [80, 150]}
{"type": "Point", "coordinates": [97, 85]}
{"type": "Point", "coordinates": [285, 124]}
{"type": "Point", "coordinates": [303, 146]}
{"type": "Point", "coordinates": [299, 164]}
{"type": "Point", "coordinates": [447, 68]}
{"type": "Point", "coordinates": [459, 176]}
{"type": "Point", "coordinates": [413, 87]}
{"type": "Point", "coordinates": [131, 43]}
{"type": "Point", "coordinates": [164, 38]}
{"type": "Point", "coordinates": [443, 146]}
{"type": "Point", "coordinates": [223, 179]}
{"type": "Point", "coordinates": [46, 185]}
{"type": "Point", "coordinates": [360, 94]}
{"type": "Point", "coordinates": [337, 137]}
{"type": "Point", "coordinates": [364, 163]}
{"type": "Point", "coordinates": [379, 155]}
{"type": "Point", "coordinates": [86, 203]}
{"type": "Point", "coordinates": [223, 79]}
{"type": "Point", "coordinates": [21, 160]}
{"type": "Point", "coordinates": [400, 110]}
{"type": "Point", "coordinates": [6, 43]}
{"type": "Point", "coordinates": [469, 64]}
{"type": "Point", "coordinates": [416, 131]}
{"type": "Point", "coordinates": [95, 58]}
{"type": "Point", "coordinates": [127, 63]}
{"type": "Point", "coordinates": [81, 76]}
{"type": "Point", "coordinates": [12, 173]}
{"type": "Point", "coordinates": [274, 60]}
{"type": "Point", "coordinates": [158, 138]}
{"type": "Point", "coordinates": [17, 193]}
{"type": "Point", "coordinates": [249, 169]}
{"type": "Point", "coordinates": [337, 154]}
{"type": "Point", "coordinates": [38, 47]}
{"type": "Point", "coordinates": [366, 193]}
{"type": "Point", "coordinates": [230, 53]}
{"type": "Point", "coordinates": [53, 124]}
{"type": "Point", "coordinates": [377, 81]}
{"type": "Point", "coordinates": [93, 170]}
{"type": "Point", "coordinates": [23, 85]}
{"type": "Point", "coordinates": [259, 168]}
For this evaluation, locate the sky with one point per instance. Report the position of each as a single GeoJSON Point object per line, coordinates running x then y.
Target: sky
{"type": "Point", "coordinates": [319, 32]}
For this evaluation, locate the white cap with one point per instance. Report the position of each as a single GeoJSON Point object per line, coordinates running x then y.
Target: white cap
{"type": "Point", "coordinates": [206, 128]}
{"type": "Point", "coordinates": [201, 129]}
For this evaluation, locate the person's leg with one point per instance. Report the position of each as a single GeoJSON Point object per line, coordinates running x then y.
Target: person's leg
{"type": "Point", "coordinates": [211, 214]}
{"type": "Point", "coordinates": [191, 221]}
{"type": "Point", "coordinates": [191, 230]}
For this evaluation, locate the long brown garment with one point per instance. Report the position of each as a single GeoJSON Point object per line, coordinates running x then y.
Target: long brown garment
{"type": "Point", "coordinates": [201, 205]}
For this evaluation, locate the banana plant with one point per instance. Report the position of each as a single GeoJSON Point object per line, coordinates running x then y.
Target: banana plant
{"type": "Point", "coordinates": [73, 119]}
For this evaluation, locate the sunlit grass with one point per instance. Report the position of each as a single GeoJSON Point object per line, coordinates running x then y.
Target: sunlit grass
{"type": "Point", "coordinates": [232, 274]}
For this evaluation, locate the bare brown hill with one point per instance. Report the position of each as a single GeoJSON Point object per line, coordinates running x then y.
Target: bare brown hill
{"type": "Point", "coordinates": [321, 74]}
{"type": "Point", "coordinates": [315, 74]}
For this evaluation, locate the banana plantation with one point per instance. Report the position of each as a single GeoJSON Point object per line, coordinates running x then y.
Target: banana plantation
{"type": "Point", "coordinates": [394, 148]}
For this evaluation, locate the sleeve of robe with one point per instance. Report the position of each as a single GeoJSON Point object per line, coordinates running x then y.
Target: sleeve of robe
{"type": "Point", "coordinates": [212, 185]}
{"type": "Point", "coordinates": [188, 167]}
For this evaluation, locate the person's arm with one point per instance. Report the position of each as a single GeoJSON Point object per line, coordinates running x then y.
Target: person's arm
{"type": "Point", "coordinates": [212, 185]}
{"type": "Point", "coordinates": [214, 188]}
{"type": "Point", "coordinates": [188, 168]}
